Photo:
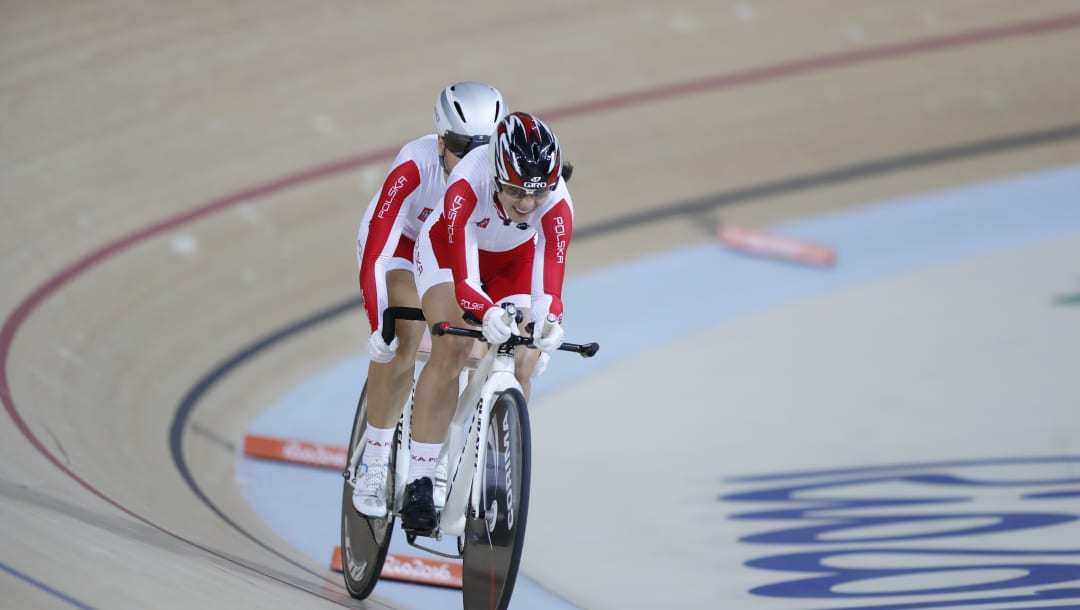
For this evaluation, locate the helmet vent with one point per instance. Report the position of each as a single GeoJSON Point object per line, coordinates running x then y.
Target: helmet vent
{"type": "Point", "coordinates": [460, 112]}
{"type": "Point", "coordinates": [498, 109]}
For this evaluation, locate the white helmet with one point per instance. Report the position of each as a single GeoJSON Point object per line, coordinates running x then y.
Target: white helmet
{"type": "Point", "coordinates": [465, 115]}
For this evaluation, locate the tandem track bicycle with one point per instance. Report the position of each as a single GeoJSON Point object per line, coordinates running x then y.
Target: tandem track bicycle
{"type": "Point", "coordinates": [488, 459]}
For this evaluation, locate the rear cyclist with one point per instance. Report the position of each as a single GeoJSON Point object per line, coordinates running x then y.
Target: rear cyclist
{"type": "Point", "coordinates": [466, 113]}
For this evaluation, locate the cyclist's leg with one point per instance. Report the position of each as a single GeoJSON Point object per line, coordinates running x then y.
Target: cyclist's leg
{"type": "Point", "coordinates": [437, 387]}
{"type": "Point", "coordinates": [389, 384]}
{"type": "Point", "coordinates": [525, 364]}
{"type": "Point", "coordinates": [433, 408]}
{"type": "Point", "coordinates": [524, 359]}
{"type": "Point", "coordinates": [388, 388]}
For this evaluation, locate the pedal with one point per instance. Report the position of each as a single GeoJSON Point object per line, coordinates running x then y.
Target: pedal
{"type": "Point", "coordinates": [412, 534]}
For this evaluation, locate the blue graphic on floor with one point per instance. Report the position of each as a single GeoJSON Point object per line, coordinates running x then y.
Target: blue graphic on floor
{"type": "Point", "coordinates": [915, 523]}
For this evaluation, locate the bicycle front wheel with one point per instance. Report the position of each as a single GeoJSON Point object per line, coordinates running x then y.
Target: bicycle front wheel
{"type": "Point", "coordinates": [494, 539]}
{"type": "Point", "coordinates": [364, 541]}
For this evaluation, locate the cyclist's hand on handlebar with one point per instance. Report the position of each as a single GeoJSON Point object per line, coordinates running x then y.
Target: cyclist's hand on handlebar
{"type": "Point", "coordinates": [379, 351]}
{"type": "Point", "coordinates": [548, 336]}
{"type": "Point", "coordinates": [497, 326]}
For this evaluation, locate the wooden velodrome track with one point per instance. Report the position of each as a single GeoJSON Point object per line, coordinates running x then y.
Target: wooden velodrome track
{"type": "Point", "coordinates": [181, 179]}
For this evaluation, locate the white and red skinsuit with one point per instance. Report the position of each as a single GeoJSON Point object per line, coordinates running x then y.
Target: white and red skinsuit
{"type": "Point", "coordinates": [490, 259]}
{"type": "Point", "coordinates": [412, 190]}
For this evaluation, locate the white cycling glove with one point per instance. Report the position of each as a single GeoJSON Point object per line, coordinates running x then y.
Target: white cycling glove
{"type": "Point", "coordinates": [548, 336]}
{"type": "Point", "coordinates": [379, 351]}
{"type": "Point", "coordinates": [497, 329]}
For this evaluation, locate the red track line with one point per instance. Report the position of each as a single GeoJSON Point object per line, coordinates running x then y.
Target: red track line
{"type": "Point", "coordinates": [822, 62]}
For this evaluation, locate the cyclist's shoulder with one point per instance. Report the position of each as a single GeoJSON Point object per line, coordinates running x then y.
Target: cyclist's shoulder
{"type": "Point", "coordinates": [423, 152]}
{"type": "Point", "coordinates": [473, 169]}
{"type": "Point", "coordinates": [474, 166]}
{"type": "Point", "coordinates": [560, 198]}
{"type": "Point", "coordinates": [427, 145]}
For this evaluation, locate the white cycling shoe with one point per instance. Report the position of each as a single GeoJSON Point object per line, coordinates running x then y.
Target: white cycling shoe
{"type": "Point", "coordinates": [369, 493]}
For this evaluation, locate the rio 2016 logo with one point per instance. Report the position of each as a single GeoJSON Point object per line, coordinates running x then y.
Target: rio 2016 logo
{"type": "Point", "coordinates": [1001, 532]}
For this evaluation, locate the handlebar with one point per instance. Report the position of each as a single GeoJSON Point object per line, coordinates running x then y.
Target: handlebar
{"type": "Point", "coordinates": [587, 350]}
{"type": "Point", "coordinates": [392, 314]}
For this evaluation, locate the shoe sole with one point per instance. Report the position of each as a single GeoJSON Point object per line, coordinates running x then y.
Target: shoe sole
{"type": "Point", "coordinates": [419, 531]}
{"type": "Point", "coordinates": [364, 514]}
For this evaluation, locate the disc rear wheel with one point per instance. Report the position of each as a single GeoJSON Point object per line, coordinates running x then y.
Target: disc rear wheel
{"type": "Point", "coordinates": [364, 541]}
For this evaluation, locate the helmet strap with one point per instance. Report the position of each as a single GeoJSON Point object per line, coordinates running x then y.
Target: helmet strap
{"type": "Point", "coordinates": [442, 157]}
{"type": "Point", "coordinates": [503, 215]}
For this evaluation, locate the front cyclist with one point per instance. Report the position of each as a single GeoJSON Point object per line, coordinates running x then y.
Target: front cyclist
{"type": "Point", "coordinates": [500, 236]}
{"type": "Point", "coordinates": [465, 115]}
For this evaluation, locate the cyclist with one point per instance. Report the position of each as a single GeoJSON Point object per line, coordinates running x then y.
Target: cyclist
{"type": "Point", "coordinates": [501, 236]}
{"type": "Point", "coordinates": [466, 113]}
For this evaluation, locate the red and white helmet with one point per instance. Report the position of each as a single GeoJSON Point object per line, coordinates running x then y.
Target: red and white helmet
{"type": "Point", "coordinates": [525, 153]}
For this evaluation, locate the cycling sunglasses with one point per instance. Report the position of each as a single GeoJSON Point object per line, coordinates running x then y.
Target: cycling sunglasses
{"type": "Point", "coordinates": [518, 193]}
{"type": "Point", "coordinates": [459, 145]}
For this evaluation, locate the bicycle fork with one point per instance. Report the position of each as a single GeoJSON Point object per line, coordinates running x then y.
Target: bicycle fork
{"type": "Point", "coordinates": [464, 498]}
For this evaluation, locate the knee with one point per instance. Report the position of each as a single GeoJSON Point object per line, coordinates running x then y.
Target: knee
{"type": "Point", "coordinates": [449, 355]}
{"type": "Point", "coordinates": [525, 364]}
{"type": "Point", "coordinates": [410, 334]}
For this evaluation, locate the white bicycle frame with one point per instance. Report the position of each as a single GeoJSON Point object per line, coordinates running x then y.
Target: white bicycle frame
{"type": "Point", "coordinates": [492, 374]}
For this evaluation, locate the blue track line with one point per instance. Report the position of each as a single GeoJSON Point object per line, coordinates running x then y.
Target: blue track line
{"type": "Point", "coordinates": [44, 587]}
